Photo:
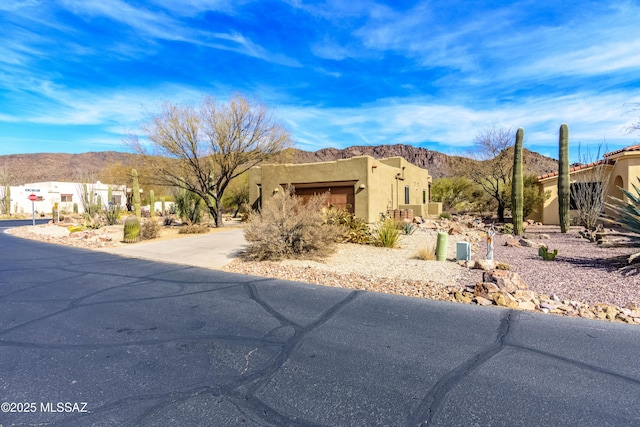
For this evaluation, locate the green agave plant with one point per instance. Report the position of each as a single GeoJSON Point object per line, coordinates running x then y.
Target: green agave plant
{"type": "Point", "coordinates": [627, 211]}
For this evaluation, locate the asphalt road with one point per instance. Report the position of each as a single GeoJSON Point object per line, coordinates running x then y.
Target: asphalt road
{"type": "Point", "coordinates": [94, 339]}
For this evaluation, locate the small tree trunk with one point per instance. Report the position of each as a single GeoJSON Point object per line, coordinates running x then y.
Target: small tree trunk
{"type": "Point", "coordinates": [218, 213]}
{"type": "Point", "coordinates": [500, 211]}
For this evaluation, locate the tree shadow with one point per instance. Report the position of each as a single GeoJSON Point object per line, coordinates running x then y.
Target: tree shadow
{"type": "Point", "coordinates": [617, 264]}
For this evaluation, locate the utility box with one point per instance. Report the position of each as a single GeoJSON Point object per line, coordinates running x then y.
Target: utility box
{"type": "Point", "coordinates": [463, 251]}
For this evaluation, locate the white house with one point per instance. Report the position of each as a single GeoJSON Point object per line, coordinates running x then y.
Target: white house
{"type": "Point", "coordinates": [66, 195]}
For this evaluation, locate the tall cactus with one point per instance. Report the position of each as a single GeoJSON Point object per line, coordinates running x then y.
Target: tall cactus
{"type": "Point", "coordinates": [517, 186]}
{"type": "Point", "coordinates": [7, 199]}
{"type": "Point", "coordinates": [152, 203]}
{"type": "Point", "coordinates": [563, 178]}
{"type": "Point", "coordinates": [164, 210]}
{"type": "Point", "coordinates": [136, 192]}
{"type": "Point", "coordinates": [109, 196]}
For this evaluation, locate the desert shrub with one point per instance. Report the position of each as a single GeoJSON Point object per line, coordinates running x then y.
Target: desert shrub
{"type": "Point", "coordinates": [507, 229]}
{"type": "Point", "coordinates": [193, 229]}
{"type": "Point", "coordinates": [386, 234]}
{"type": "Point", "coordinates": [426, 253]}
{"type": "Point", "coordinates": [150, 230]}
{"type": "Point", "coordinates": [75, 228]}
{"type": "Point", "coordinates": [113, 215]}
{"type": "Point", "coordinates": [352, 228]}
{"type": "Point", "coordinates": [288, 227]}
{"type": "Point", "coordinates": [445, 215]}
{"type": "Point", "coordinates": [167, 221]}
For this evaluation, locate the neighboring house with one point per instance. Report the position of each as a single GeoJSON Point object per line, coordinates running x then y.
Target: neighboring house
{"type": "Point", "coordinates": [66, 194]}
{"type": "Point", "coordinates": [366, 186]}
{"type": "Point", "coordinates": [622, 167]}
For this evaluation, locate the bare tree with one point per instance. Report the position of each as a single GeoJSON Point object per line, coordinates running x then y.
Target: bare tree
{"type": "Point", "coordinates": [202, 150]}
{"type": "Point", "coordinates": [588, 191]}
{"type": "Point", "coordinates": [634, 126]}
{"type": "Point", "coordinates": [495, 163]}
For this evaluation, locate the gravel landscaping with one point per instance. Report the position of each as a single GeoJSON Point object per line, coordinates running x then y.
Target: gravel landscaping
{"type": "Point", "coordinates": [583, 271]}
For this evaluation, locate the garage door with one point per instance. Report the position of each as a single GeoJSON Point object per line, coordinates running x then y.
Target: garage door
{"type": "Point", "coordinates": [340, 197]}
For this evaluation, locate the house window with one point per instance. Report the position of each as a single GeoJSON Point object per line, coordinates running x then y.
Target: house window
{"type": "Point", "coordinates": [585, 194]}
{"type": "Point", "coordinates": [66, 198]}
{"type": "Point", "coordinates": [424, 196]}
{"type": "Point", "coordinates": [406, 195]}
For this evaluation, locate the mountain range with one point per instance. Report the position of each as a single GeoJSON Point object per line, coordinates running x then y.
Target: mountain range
{"type": "Point", "coordinates": [27, 168]}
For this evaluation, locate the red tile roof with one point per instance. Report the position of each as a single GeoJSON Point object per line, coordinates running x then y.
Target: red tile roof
{"type": "Point", "coordinates": [580, 167]}
{"type": "Point", "coordinates": [629, 148]}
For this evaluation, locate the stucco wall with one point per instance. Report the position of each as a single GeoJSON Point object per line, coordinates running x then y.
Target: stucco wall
{"type": "Point", "coordinates": [383, 181]}
{"type": "Point", "coordinates": [50, 193]}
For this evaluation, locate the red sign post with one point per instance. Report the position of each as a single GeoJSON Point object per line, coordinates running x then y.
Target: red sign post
{"type": "Point", "coordinates": [33, 198]}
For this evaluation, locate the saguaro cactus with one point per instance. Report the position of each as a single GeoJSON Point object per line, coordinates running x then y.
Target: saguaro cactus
{"type": "Point", "coordinates": [563, 178]}
{"type": "Point", "coordinates": [517, 187]}
{"type": "Point", "coordinates": [109, 196]}
{"type": "Point", "coordinates": [136, 192]}
{"type": "Point", "coordinates": [7, 199]}
{"type": "Point", "coordinates": [152, 203]}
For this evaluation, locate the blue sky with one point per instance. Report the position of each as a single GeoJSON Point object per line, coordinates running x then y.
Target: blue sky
{"type": "Point", "coordinates": [77, 75]}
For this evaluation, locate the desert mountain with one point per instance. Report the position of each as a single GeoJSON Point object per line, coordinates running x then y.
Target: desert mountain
{"type": "Point", "coordinates": [438, 164]}
{"type": "Point", "coordinates": [25, 168]}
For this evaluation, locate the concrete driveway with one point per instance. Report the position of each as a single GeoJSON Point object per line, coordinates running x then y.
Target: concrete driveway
{"type": "Point", "coordinates": [211, 250]}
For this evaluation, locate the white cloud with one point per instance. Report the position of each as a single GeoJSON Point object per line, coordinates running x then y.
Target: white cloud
{"type": "Point", "coordinates": [156, 24]}
{"type": "Point", "coordinates": [591, 119]}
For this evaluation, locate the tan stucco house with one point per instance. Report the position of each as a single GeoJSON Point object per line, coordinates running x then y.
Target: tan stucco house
{"type": "Point", "coordinates": [366, 186]}
{"type": "Point", "coordinates": [622, 166]}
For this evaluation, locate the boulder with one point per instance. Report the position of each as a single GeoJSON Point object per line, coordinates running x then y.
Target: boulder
{"type": "Point", "coordinates": [507, 281]}
{"type": "Point", "coordinates": [483, 301]}
{"type": "Point", "coordinates": [528, 243]}
{"type": "Point", "coordinates": [526, 305]}
{"type": "Point", "coordinates": [504, 299]}
{"type": "Point", "coordinates": [511, 242]}
{"type": "Point", "coordinates": [485, 288]}
{"type": "Point", "coordinates": [484, 264]}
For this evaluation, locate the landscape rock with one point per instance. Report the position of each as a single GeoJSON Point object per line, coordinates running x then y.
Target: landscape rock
{"type": "Point", "coordinates": [485, 288]}
{"type": "Point", "coordinates": [507, 281]}
{"type": "Point", "coordinates": [483, 301]}
{"type": "Point", "coordinates": [528, 243]}
{"type": "Point", "coordinates": [484, 264]}
{"type": "Point", "coordinates": [514, 243]}
{"type": "Point", "coordinates": [544, 236]}
{"type": "Point", "coordinates": [455, 230]}
{"type": "Point", "coordinates": [526, 305]}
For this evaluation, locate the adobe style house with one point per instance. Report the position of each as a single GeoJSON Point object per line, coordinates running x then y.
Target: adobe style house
{"type": "Point", "coordinates": [366, 186]}
{"type": "Point", "coordinates": [622, 166]}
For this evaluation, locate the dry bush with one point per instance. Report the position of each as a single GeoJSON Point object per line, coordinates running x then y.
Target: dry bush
{"type": "Point", "coordinates": [150, 230]}
{"type": "Point", "coordinates": [193, 229]}
{"type": "Point", "coordinates": [427, 253]}
{"type": "Point", "coordinates": [287, 227]}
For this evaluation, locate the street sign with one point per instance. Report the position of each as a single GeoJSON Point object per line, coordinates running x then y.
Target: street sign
{"type": "Point", "coordinates": [33, 197]}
